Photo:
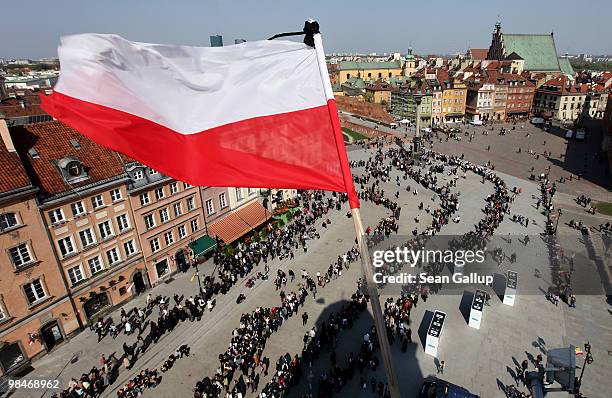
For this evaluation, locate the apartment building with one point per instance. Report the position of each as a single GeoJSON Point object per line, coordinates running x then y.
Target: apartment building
{"type": "Point", "coordinates": [169, 219]}
{"type": "Point", "coordinates": [560, 99]}
{"type": "Point", "coordinates": [36, 313]}
{"type": "Point", "coordinates": [87, 213]}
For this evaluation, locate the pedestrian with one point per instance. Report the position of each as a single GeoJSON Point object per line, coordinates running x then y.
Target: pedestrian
{"type": "Point", "coordinates": [304, 318]}
{"type": "Point", "coordinates": [441, 367]}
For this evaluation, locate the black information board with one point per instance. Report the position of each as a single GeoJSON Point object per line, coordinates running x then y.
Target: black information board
{"type": "Point", "coordinates": [512, 279]}
{"type": "Point", "coordinates": [479, 299]}
{"type": "Point", "coordinates": [435, 327]}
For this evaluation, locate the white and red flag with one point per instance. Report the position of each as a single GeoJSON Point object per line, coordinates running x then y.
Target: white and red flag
{"type": "Point", "coordinates": [257, 114]}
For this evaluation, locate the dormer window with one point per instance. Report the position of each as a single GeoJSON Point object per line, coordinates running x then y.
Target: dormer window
{"type": "Point", "coordinates": [72, 170]}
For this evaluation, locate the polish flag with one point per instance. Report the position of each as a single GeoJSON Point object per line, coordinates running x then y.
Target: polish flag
{"type": "Point", "coordinates": [256, 114]}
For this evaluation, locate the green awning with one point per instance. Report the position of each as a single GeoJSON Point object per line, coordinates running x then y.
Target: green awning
{"type": "Point", "coordinates": [202, 245]}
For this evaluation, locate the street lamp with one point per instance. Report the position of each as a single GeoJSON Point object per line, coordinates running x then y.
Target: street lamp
{"type": "Point", "coordinates": [588, 359]}
{"type": "Point", "coordinates": [558, 217]}
{"type": "Point", "coordinates": [195, 264]}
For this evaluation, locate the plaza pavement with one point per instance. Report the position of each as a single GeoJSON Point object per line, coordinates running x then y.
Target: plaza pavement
{"type": "Point", "coordinates": [478, 359]}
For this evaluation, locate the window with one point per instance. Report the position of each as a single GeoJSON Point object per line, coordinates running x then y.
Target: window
{"type": "Point", "coordinates": [95, 265]}
{"type": "Point", "coordinates": [149, 221]}
{"type": "Point", "coordinates": [222, 201]}
{"type": "Point", "coordinates": [77, 209]}
{"type": "Point", "coordinates": [251, 191]}
{"type": "Point", "coordinates": [173, 188]}
{"type": "Point", "coordinates": [8, 220]}
{"type": "Point", "coordinates": [154, 245]}
{"type": "Point", "coordinates": [169, 238]}
{"type": "Point", "coordinates": [144, 199]}
{"type": "Point", "coordinates": [123, 223]}
{"type": "Point", "coordinates": [3, 314]}
{"type": "Point", "coordinates": [20, 255]}
{"type": "Point", "coordinates": [34, 291]}
{"type": "Point", "coordinates": [75, 274]}
{"type": "Point", "coordinates": [159, 193]}
{"type": "Point", "coordinates": [87, 237]}
{"type": "Point", "coordinates": [182, 231]}
{"type": "Point", "coordinates": [112, 256]}
{"type": "Point", "coordinates": [56, 216]}
{"type": "Point", "coordinates": [115, 194]}
{"type": "Point", "coordinates": [186, 186]}
{"type": "Point", "coordinates": [194, 225]}
{"type": "Point", "coordinates": [153, 172]}
{"type": "Point", "coordinates": [210, 209]}
{"type": "Point", "coordinates": [163, 215]}
{"type": "Point", "coordinates": [190, 204]}
{"type": "Point", "coordinates": [65, 245]}
{"type": "Point", "coordinates": [239, 193]}
{"type": "Point", "coordinates": [129, 248]}
{"type": "Point", "coordinates": [106, 230]}
{"type": "Point", "coordinates": [178, 209]}
{"type": "Point", "coordinates": [97, 201]}
{"type": "Point", "coordinates": [138, 175]}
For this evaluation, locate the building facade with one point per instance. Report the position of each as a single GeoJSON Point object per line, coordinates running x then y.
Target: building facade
{"type": "Point", "coordinates": [168, 218]}
{"type": "Point", "coordinates": [368, 71]}
{"type": "Point", "coordinates": [87, 213]}
{"type": "Point", "coordinates": [519, 98]}
{"type": "Point", "coordinates": [480, 99]}
{"type": "Point", "coordinates": [560, 99]}
{"type": "Point", "coordinates": [36, 313]}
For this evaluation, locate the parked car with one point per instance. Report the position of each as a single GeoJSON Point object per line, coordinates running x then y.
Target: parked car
{"type": "Point", "coordinates": [476, 122]}
{"type": "Point", "coordinates": [537, 120]}
{"type": "Point", "coordinates": [433, 387]}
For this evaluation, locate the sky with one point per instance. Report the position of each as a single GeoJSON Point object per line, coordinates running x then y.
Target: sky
{"type": "Point", "coordinates": [31, 29]}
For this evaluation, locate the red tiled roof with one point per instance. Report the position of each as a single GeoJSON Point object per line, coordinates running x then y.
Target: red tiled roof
{"type": "Point", "coordinates": [378, 86]}
{"type": "Point", "coordinates": [239, 222]}
{"type": "Point", "coordinates": [13, 174]}
{"type": "Point", "coordinates": [51, 140]}
{"type": "Point", "coordinates": [479, 53]}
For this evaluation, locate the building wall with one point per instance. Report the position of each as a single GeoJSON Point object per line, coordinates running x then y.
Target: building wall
{"type": "Point", "coordinates": [369, 74]}
{"type": "Point", "coordinates": [19, 317]}
{"type": "Point", "coordinates": [219, 197]}
{"type": "Point", "coordinates": [181, 204]}
{"type": "Point", "coordinates": [519, 100]}
{"type": "Point", "coordinates": [453, 101]}
{"type": "Point", "coordinates": [436, 107]}
{"type": "Point", "coordinates": [499, 105]}
{"type": "Point", "coordinates": [95, 263]}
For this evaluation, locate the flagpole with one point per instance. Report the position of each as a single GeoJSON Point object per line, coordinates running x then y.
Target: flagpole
{"type": "Point", "coordinates": [311, 29]}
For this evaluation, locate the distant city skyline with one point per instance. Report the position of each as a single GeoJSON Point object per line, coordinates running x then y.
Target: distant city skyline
{"type": "Point", "coordinates": [443, 27]}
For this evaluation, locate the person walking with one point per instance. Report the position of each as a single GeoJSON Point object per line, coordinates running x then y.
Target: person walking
{"type": "Point", "coordinates": [441, 367]}
{"type": "Point", "coordinates": [304, 318]}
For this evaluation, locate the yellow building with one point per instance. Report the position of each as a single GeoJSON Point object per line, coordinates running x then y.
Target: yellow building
{"type": "Point", "coordinates": [369, 71]}
{"type": "Point", "coordinates": [454, 94]}
{"type": "Point", "coordinates": [378, 92]}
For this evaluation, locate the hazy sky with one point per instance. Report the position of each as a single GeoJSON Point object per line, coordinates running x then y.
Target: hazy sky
{"type": "Point", "coordinates": [32, 28]}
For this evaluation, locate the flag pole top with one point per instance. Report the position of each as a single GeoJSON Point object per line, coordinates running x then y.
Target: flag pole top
{"type": "Point", "coordinates": [311, 28]}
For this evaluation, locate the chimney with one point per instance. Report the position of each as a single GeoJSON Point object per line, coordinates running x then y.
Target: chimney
{"type": "Point", "coordinates": [6, 136]}
{"type": "Point", "coordinates": [3, 94]}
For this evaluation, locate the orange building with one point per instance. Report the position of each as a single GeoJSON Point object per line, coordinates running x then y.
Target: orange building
{"type": "Point", "coordinates": [36, 313]}
{"type": "Point", "coordinates": [86, 211]}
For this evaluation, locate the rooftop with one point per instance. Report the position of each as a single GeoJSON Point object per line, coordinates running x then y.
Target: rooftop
{"type": "Point", "coordinates": [352, 65]}
{"type": "Point", "coordinates": [43, 145]}
{"type": "Point", "coordinates": [13, 174]}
